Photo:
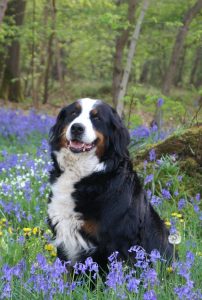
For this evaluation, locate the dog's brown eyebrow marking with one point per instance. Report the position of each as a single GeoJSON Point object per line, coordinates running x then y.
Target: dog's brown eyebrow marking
{"type": "Point", "coordinates": [94, 112]}
{"type": "Point", "coordinates": [77, 105]}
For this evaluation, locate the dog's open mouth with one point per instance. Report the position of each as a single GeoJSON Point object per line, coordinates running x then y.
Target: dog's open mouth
{"type": "Point", "coordinates": [78, 146]}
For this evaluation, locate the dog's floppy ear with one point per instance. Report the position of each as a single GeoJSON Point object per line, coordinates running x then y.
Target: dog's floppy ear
{"type": "Point", "coordinates": [119, 136]}
{"type": "Point", "coordinates": [56, 129]}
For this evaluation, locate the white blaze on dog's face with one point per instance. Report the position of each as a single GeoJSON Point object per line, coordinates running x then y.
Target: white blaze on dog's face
{"type": "Point", "coordinates": [80, 132]}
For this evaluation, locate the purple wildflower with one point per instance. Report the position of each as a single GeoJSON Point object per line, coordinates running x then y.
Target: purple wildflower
{"type": "Point", "coordinates": [155, 200]}
{"type": "Point", "coordinates": [149, 277]}
{"type": "Point", "coordinates": [176, 193]}
{"type": "Point", "coordinates": [149, 194]}
{"type": "Point", "coordinates": [196, 208]}
{"type": "Point", "coordinates": [154, 128]}
{"type": "Point", "coordinates": [133, 284]}
{"type": "Point", "coordinates": [150, 295]}
{"type": "Point", "coordinates": [115, 276]}
{"type": "Point", "coordinates": [181, 204]}
{"type": "Point", "coordinates": [149, 178]}
{"type": "Point", "coordinates": [198, 197]}
{"type": "Point", "coordinates": [6, 292]}
{"type": "Point", "coordinates": [21, 240]}
{"type": "Point", "coordinates": [189, 258]}
{"type": "Point", "coordinates": [155, 256]}
{"type": "Point", "coordinates": [166, 194]}
{"type": "Point", "coordinates": [160, 102]}
{"type": "Point", "coordinates": [152, 155]}
{"type": "Point", "coordinates": [140, 132]}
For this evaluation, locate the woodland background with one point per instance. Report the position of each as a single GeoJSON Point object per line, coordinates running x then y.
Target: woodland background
{"type": "Point", "coordinates": [53, 52]}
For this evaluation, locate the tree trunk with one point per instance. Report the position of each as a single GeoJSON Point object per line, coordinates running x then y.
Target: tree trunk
{"type": "Point", "coordinates": [196, 64]}
{"type": "Point", "coordinates": [49, 54]}
{"type": "Point", "coordinates": [178, 46]}
{"type": "Point", "coordinates": [145, 72]}
{"type": "Point", "coordinates": [60, 71]}
{"type": "Point", "coordinates": [131, 53]}
{"type": "Point", "coordinates": [3, 7]}
{"type": "Point", "coordinates": [178, 77]}
{"type": "Point", "coordinates": [11, 85]}
{"type": "Point", "coordinates": [121, 42]}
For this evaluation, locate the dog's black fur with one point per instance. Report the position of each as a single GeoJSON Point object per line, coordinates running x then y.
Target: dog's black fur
{"type": "Point", "coordinates": [112, 199]}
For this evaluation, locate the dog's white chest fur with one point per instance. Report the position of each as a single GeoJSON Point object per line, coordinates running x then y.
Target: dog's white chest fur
{"type": "Point", "coordinates": [61, 208]}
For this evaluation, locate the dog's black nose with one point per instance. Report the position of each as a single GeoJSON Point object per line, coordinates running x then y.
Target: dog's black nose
{"type": "Point", "coordinates": [77, 129]}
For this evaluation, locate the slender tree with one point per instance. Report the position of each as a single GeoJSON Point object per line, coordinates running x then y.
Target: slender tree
{"type": "Point", "coordinates": [121, 42]}
{"type": "Point", "coordinates": [3, 7]}
{"type": "Point", "coordinates": [196, 65]}
{"type": "Point", "coordinates": [180, 67]}
{"type": "Point", "coordinates": [131, 53]}
{"type": "Point", "coordinates": [178, 46]}
{"type": "Point", "coordinates": [49, 52]}
{"type": "Point", "coordinates": [11, 85]}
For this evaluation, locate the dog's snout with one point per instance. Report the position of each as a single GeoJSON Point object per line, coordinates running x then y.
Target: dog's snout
{"type": "Point", "coordinates": [77, 129]}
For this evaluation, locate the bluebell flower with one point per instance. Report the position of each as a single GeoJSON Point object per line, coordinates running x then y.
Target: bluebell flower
{"type": "Point", "coordinates": [149, 178]}
{"type": "Point", "coordinates": [166, 194]}
{"type": "Point", "coordinates": [156, 201]}
{"type": "Point", "coordinates": [181, 203]}
{"type": "Point", "coordinates": [155, 256]}
{"type": "Point", "coordinates": [160, 102]}
{"type": "Point", "coordinates": [198, 197]}
{"type": "Point", "coordinates": [133, 284]}
{"type": "Point", "coordinates": [152, 155]}
{"type": "Point", "coordinates": [150, 295]}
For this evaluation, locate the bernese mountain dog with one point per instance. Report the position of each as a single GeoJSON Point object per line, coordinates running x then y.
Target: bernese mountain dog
{"type": "Point", "coordinates": [97, 204]}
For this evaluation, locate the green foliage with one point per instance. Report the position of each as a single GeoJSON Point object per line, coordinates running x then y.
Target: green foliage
{"type": "Point", "coordinates": [171, 108]}
{"type": "Point", "coordinates": [135, 120]}
{"type": "Point", "coordinates": [85, 34]}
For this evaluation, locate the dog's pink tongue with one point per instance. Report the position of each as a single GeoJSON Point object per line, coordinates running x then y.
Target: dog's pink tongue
{"type": "Point", "coordinates": [76, 144]}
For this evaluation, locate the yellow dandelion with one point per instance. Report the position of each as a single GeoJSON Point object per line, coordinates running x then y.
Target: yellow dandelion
{"type": "Point", "coordinates": [199, 253]}
{"type": "Point", "coordinates": [53, 253]}
{"type": "Point", "coordinates": [1, 233]}
{"type": "Point", "coordinates": [179, 216]}
{"type": "Point", "coordinates": [181, 220]}
{"type": "Point", "coordinates": [167, 223]}
{"type": "Point", "coordinates": [27, 231]}
{"type": "Point", "coordinates": [3, 220]}
{"type": "Point", "coordinates": [169, 269]}
{"type": "Point", "coordinates": [10, 230]}
{"type": "Point", "coordinates": [174, 214]}
{"type": "Point", "coordinates": [49, 247]}
{"type": "Point", "coordinates": [35, 230]}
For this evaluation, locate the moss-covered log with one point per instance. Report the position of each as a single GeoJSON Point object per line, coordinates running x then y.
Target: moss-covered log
{"type": "Point", "coordinates": [187, 144]}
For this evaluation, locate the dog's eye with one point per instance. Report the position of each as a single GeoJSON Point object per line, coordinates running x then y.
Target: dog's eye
{"type": "Point", "coordinates": [74, 114]}
{"type": "Point", "coordinates": [96, 118]}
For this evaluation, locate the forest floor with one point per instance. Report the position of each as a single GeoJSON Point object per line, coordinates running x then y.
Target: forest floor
{"type": "Point", "coordinates": [28, 265]}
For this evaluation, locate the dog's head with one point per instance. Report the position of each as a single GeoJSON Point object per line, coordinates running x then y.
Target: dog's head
{"type": "Point", "coordinates": [90, 125]}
